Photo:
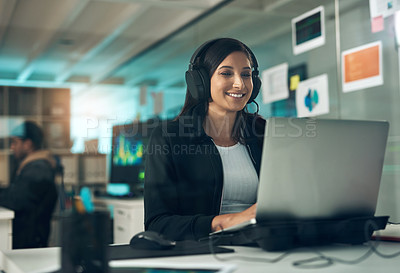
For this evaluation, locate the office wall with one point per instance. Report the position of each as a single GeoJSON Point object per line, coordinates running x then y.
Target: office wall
{"type": "Point", "coordinates": [379, 102]}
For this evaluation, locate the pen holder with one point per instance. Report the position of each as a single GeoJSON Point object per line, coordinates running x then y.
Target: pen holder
{"type": "Point", "coordinates": [84, 242]}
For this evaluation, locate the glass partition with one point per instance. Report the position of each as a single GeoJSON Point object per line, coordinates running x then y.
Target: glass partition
{"type": "Point", "coordinates": [267, 30]}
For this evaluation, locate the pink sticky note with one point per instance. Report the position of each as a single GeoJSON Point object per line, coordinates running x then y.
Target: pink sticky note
{"type": "Point", "coordinates": [377, 24]}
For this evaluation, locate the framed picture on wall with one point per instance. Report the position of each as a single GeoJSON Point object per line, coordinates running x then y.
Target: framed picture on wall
{"type": "Point", "coordinates": [362, 67]}
{"type": "Point", "coordinates": [275, 83]}
{"type": "Point", "coordinates": [312, 97]}
{"type": "Point", "coordinates": [308, 30]}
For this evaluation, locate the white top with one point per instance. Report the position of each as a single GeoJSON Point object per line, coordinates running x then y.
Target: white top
{"type": "Point", "coordinates": [240, 179]}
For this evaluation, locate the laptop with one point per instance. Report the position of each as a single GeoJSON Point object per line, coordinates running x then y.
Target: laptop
{"type": "Point", "coordinates": [319, 169]}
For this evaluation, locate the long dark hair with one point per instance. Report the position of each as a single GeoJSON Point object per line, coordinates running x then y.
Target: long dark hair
{"type": "Point", "coordinates": [210, 59]}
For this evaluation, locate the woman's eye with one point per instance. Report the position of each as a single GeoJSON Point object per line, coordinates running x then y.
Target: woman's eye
{"type": "Point", "coordinates": [226, 73]}
{"type": "Point", "coordinates": [246, 75]}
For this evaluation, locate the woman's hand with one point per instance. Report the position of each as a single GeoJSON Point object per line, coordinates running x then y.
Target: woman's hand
{"type": "Point", "coordinates": [227, 220]}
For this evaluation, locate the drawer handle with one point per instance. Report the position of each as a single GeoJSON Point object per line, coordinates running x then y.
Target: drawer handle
{"type": "Point", "coordinates": [120, 228]}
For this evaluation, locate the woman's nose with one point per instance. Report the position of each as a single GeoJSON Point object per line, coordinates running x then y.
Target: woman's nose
{"type": "Point", "coordinates": [238, 82]}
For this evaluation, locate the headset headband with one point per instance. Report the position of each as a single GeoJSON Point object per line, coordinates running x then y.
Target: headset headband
{"type": "Point", "coordinates": [201, 49]}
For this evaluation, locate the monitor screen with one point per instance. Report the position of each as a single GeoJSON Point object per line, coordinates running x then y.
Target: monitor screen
{"type": "Point", "coordinates": [128, 154]}
{"type": "Point", "coordinates": [308, 30]}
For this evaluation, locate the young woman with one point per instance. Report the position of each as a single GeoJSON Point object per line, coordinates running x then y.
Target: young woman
{"type": "Point", "coordinates": [202, 168]}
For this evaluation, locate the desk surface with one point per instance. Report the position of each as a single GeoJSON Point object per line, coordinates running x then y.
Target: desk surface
{"type": "Point", "coordinates": [6, 214]}
{"type": "Point", "coordinates": [129, 202]}
{"type": "Point", "coordinates": [48, 259]}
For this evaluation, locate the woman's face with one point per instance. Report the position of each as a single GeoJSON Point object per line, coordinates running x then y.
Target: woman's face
{"type": "Point", "coordinates": [231, 84]}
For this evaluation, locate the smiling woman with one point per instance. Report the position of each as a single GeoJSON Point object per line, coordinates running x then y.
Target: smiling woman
{"type": "Point", "coordinates": [189, 195]}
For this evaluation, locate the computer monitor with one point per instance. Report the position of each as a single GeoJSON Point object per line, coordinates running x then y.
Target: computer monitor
{"type": "Point", "coordinates": [128, 155]}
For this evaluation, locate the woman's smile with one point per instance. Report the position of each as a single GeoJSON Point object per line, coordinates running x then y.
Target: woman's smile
{"type": "Point", "coordinates": [235, 95]}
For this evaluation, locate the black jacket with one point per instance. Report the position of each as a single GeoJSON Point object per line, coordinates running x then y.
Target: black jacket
{"type": "Point", "coordinates": [184, 176]}
{"type": "Point", "coordinates": [32, 195]}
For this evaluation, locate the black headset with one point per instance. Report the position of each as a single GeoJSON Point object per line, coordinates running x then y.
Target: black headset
{"type": "Point", "coordinates": [198, 80]}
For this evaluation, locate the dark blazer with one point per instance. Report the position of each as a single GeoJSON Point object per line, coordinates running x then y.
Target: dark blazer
{"type": "Point", "coordinates": [184, 175]}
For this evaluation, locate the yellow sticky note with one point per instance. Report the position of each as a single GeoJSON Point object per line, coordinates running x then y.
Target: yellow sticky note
{"type": "Point", "coordinates": [294, 82]}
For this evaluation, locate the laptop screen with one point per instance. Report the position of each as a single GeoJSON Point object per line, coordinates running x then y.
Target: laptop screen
{"type": "Point", "coordinates": [320, 168]}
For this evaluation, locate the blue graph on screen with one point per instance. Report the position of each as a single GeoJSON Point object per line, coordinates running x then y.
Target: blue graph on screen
{"type": "Point", "coordinates": [128, 151]}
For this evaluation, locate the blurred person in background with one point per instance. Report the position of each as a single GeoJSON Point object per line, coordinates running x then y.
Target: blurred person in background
{"type": "Point", "coordinates": [32, 193]}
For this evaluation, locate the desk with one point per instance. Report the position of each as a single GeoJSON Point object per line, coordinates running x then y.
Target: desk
{"type": "Point", "coordinates": [6, 217]}
{"type": "Point", "coordinates": [48, 259]}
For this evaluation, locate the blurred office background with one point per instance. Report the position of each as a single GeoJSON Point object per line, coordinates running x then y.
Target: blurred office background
{"type": "Point", "coordinates": [80, 67]}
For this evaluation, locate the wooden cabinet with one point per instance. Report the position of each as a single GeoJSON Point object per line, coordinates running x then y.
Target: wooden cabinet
{"type": "Point", "coordinates": [84, 169]}
{"type": "Point", "coordinates": [93, 169]}
{"type": "Point", "coordinates": [48, 107]}
{"type": "Point", "coordinates": [4, 168]}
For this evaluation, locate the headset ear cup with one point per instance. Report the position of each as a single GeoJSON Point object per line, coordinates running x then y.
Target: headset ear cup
{"type": "Point", "coordinates": [192, 81]}
{"type": "Point", "coordinates": [198, 84]}
{"type": "Point", "coordinates": [206, 84]}
{"type": "Point", "coordinates": [256, 88]}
